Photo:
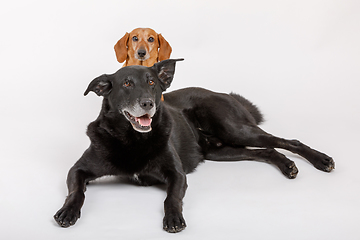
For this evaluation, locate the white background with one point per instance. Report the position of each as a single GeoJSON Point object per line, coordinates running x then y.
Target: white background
{"type": "Point", "coordinates": [299, 61]}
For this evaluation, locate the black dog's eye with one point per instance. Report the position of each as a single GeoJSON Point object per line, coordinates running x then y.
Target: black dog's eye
{"type": "Point", "coordinates": [135, 38]}
{"type": "Point", "coordinates": [151, 39]}
{"type": "Point", "coordinates": [151, 82]}
{"type": "Point", "coordinates": [127, 83]}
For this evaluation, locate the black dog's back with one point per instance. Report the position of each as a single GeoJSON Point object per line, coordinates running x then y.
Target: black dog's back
{"type": "Point", "coordinates": [190, 98]}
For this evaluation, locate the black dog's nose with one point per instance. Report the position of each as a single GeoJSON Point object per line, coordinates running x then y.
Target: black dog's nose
{"type": "Point", "coordinates": [141, 52]}
{"type": "Point", "coordinates": [146, 103]}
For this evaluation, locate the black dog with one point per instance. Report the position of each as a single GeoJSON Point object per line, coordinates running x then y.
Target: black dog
{"type": "Point", "coordinates": [150, 141]}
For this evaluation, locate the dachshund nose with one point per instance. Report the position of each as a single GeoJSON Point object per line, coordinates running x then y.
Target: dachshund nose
{"type": "Point", "coordinates": [141, 52]}
{"type": "Point", "coordinates": [146, 103]}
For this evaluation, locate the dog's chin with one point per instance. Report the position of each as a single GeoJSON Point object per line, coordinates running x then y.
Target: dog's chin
{"type": "Point", "coordinates": [141, 124]}
{"type": "Point", "coordinates": [142, 58]}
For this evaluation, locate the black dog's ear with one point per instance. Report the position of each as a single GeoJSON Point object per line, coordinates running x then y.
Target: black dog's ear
{"type": "Point", "coordinates": [100, 85]}
{"type": "Point", "coordinates": [165, 71]}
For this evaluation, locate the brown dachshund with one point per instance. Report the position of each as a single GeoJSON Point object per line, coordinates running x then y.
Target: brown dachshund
{"type": "Point", "coordinates": [142, 46]}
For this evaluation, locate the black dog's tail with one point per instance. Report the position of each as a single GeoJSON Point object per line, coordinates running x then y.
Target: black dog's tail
{"type": "Point", "coordinates": [255, 112]}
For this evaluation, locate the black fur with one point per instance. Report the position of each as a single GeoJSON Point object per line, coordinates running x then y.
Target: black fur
{"type": "Point", "coordinates": [190, 125]}
{"type": "Point", "coordinates": [250, 107]}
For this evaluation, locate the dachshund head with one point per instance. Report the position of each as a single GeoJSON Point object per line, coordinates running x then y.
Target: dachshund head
{"type": "Point", "coordinates": [142, 46]}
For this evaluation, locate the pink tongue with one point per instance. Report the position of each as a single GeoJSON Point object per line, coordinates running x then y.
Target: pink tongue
{"type": "Point", "coordinates": [144, 121]}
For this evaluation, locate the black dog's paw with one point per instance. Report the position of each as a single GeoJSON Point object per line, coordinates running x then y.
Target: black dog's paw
{"type": "Point", "coordinates": [290, 170]}
{"type": "Point", "coordinates": [67, 216]}
{"type": "Point", "coordinates": [174, 223]}
{"type": "Point", "coordinates": [325, 163]}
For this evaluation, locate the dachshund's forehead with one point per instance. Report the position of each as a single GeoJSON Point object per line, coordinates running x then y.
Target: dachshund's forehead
{"type": "Point", "coordinates": [143, 32]}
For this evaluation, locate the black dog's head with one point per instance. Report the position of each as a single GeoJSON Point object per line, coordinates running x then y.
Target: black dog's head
{"type": "Point", "coordinates": [135, 91]}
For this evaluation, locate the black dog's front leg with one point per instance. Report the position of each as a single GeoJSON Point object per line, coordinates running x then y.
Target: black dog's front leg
{"type": "Point", "coordinates": [174, 221]}
{"type": "Point", "coordinates": [70, 212]}
{"type": "Point", "coordinates": [176, 186]}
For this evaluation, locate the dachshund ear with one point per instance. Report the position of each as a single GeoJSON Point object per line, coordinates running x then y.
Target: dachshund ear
{"type": "Point", "coordinates": [165, 71]}
{"type": "Point", "coordinates": [100, 85]}
{"type": "Point", "coordinates": [164, 48]}
{"type": "Point", "coordinates": [121, 48]}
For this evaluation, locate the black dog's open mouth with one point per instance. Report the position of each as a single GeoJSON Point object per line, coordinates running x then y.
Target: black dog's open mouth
{"type": "Point", "coordinates": [140, 124]}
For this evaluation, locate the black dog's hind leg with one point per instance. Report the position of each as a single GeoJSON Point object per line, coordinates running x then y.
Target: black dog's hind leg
{"type": "Point", "coordinates": [320, 160]}
{"type": "Point", "coordinates": [269, 155]}
{"type": "Point", "coordinates": [70, 212]}
{"type": "Point", "coordinates": [253, 136]}
{"type": "Point", "coordinates": [226, 119]}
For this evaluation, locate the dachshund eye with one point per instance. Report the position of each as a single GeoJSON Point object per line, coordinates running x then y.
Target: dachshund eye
{"type": "Point", "coordinates": [127, 83]}
{"type": "Point", "coordinates": [151, 82]}
{"type": "Point", "coordinates": [151, 39]}
{"type": "Point", "coordinates": [135, 38]}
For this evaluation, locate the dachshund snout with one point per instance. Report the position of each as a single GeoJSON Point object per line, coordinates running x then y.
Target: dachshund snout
{"type": "Point", "coordinates": [141, 53]}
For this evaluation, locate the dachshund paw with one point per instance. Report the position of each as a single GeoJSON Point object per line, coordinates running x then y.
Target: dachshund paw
{"type": "Point", "coordinates": [67, 216]}
{"type": "Point", "coordinates": [174, 223]}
